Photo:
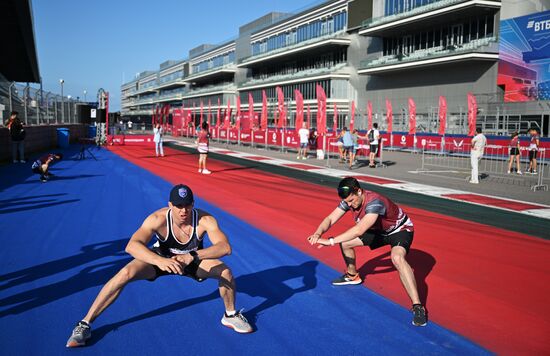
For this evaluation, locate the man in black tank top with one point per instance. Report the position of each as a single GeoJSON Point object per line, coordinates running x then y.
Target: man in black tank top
{"type": "Point", "coordinates": [179, 231]}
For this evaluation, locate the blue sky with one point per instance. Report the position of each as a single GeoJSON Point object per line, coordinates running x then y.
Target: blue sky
{"type": "Point", "coordinates": [97, 44]}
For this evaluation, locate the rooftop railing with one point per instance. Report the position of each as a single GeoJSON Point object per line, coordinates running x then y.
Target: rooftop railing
{"type": "Point", "coordinates": [296, 75]}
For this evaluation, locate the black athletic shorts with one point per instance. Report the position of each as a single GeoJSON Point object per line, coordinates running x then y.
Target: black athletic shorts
{"type": "Point", "coordinates": [189, 271]}
{"type": "Point", "coordinates": [514, 151]}
{"type": "Point", "coordinates": [374, 149]}
{"type": "Point", "coordinates": [532, 155]}
{"type": "Point", "coordinates": [374, 239]}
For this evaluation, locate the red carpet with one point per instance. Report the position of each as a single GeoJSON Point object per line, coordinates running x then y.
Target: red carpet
{"type": "Point", "coordinates": [487, 284]}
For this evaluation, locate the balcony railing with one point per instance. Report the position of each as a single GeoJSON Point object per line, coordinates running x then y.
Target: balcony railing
{"type": "Point", "coordinates": [292, 45]}
{"type": "Point", "coordinates": [210, 89]}
{"type": "Point", "coordinates": [296, 75]}
{"type": "Point", "coordinates": [437, 4]}
{"type": "Point", "coordinates": [206, 71]}
{"type": "Point", "coordinates": [435, 52]}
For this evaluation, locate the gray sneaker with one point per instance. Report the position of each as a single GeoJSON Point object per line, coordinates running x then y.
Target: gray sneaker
{"type": "Point", "coordinates": [81, 333]}
{"type": "Point", "coordinates": [237, 322]}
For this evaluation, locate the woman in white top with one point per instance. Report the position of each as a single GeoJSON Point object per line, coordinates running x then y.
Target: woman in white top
{"type": "Point", "coordinates": [157, 131]}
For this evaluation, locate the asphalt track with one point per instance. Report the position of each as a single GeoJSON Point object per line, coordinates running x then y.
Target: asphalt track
{"type": "Point", "coordinates": [65, 238]}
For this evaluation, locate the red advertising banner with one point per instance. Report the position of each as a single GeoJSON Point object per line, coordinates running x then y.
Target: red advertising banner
{"type": "Point", "coordinates": [335, 119]}
{"type": "Point", "coordinates": [352, 118]}
{"type": "Point", "coordinates": [308, 117]}
{"type": "Point", "coordinates": [412, 117]}
{"type": "Point", "coordinates": [281, 108]}
{"type": "Point", "coordinates": [263, 124]}
{"type": "Point", "coordinates": [251, 108]}
{"type": "Point", "coordinates": [321, 110]}
{"type": "Point", "coordinates": [442, 115]}
{"type": "Point", "coordinates": [389, 115]}
{"type": "Point", "coordinates": [226, 121]}
{"type": "Point", "coordinates": [218, 120]}
{"type": "Point", "coordinates": [369, 115]}
{"type": "Point", "coordinates": [299, 109]}
{"type": "Point", "coordinates": [472, 114]}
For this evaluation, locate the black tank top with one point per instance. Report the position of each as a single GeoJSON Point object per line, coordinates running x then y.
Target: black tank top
{"type": "Point", "coordinates": [170, 246]}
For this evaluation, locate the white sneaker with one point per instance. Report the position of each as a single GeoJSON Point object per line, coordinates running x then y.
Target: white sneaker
{"type": "Point", "coordinates": [474, 182]}
{"type": "Point", "coordinates": [206, 171]}
{"type": "Point", "coordinates": [237, 322]}
{"type": "Point", "coordinates": [508, 172]}
{"type": "Point", "coordinates": [298, 157]}
{"type": "Point", "coordinates": [200, 170]}
{"type": "Point", "coordinates": [519, 172]}
{"type": "Point", "coordinates": [23, 161]}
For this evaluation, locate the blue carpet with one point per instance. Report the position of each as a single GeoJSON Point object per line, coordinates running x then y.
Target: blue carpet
{"type": "Point", "coordinates": [65, 238]}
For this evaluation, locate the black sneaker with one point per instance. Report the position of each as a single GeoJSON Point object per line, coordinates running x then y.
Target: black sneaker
{"type": "Point", "coordinates": [81, 333]}
{"type": "Point", "coordinates": [43, 179]}
{"type": "Point", "coordinates": [419, 315]}
{"type": "Point", "coordinates": [347, 279]}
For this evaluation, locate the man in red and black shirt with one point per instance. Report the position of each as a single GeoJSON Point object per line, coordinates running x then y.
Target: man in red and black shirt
{"type": "Point", "coordinates": [41, 166]}
{"type": "Point", "coordinates": [379, 222]}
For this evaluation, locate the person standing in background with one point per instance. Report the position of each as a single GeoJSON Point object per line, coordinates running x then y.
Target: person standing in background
{"type": "Point", "coordinates": [157, 131]}
{"type": "Point", "coordinates": [514, 153]}
{"type": "Point", "coordinates": [478, 148]}
{"type": "Point", "coordinates": [533, 148]}
{"type": "Point", "coordinates": [202, 147]}
{"type": "Point", "coordinates": [17, 135]}
{"type": "Point", "coordinates": [304, 138]}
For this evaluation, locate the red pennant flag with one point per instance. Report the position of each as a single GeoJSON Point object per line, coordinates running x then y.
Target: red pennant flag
{"type": "Point", "coordinates": [299, 109]}
{"type": "Point", "coordinates": [201, 113]}
{"type": "Point", "coordinates": [389, 115]}
{"type": "Point", "coordinates": [209, 111]}
{"type": "Point", "coordinates": [369, 114]}
{"type": "Point", "coordinates": [218, 121]}
{"type": "Point", "coordinates": [321, 110]}
{"type": "Point", "coordinates": [238, 118]}
{"type": "Point", "coordinates": [412, 117]}
{"type": "Point", "coordinates": [472, 114]}
{"type": "Point", "coordinates": [442, 115]}
{"type": "Point", "coordinates": [352, 119]}
{"type": "Point", "coordinates": [226, 122]}
{"type": "Point", "coordinates": [335, 119]}
{"type": "Point", "coordinates": [251, 109]}
{"type": "Point", "coordinates": [264, 111]}
{"type": "Point", "coordinates": [308, 117]}
{"type": "Point", "coordinates": [281, 108]}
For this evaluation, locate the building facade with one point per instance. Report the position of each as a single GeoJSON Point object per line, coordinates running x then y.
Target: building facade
{"type": "Point", "coordinates": [362, 52]}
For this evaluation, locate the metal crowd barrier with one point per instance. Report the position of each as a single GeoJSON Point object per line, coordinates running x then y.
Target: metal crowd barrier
{"type": "Point", "coordinates": [494, 161]}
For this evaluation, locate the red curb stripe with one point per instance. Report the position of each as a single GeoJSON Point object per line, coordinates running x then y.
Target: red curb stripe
{"type": "Point", "coordinates": [501, 203]}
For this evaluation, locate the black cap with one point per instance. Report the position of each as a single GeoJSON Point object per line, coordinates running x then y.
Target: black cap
{"type": "Point", "coordinates": [181, 195]}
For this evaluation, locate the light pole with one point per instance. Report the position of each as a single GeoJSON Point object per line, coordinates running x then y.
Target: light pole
{"type": "Point", "coordinates": [47, 108]}
{"type": "Point", "coordinates": [61, 81]}
{"type": "Point", "coordinates": [9, 90]}
{"type": "Point", "coordinates": [85, 92]}
{"type": "Point", "coordinates": [26, 100]}
{"type": "Point", "coordinates": [69, 107]}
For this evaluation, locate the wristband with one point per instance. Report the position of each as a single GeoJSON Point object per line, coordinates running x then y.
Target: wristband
{"type": "Point", "coordinates": [331, 240]}
{"type": "Point", "coordinates": [196, 258]}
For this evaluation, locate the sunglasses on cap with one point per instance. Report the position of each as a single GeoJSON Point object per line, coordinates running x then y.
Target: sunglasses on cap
{"type": "Point", "coordinates": [344, 192]}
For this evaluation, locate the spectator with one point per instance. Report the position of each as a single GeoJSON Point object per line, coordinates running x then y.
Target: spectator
{"type": "Point", "coordinates": [533, 148]}
{"type": "Point", "coordinates": [478, 147]}
{"type": "Point", "coordinates": [514, 153]}
{"type": "Point", "coordinates": [304, 138]}
{"type": "Point", "coordinates": [17, 135]}
{"type": "Point", "coordinates": [373, 136]}
{"type": "Point", "coordinates": [340, 144]}
{"type": "Point", "coordinates": [355, 139]}
{"type": "Point", "coordinates": [130, 123]}
{"type": "Point", "coordinates": [157, 131]}
{"type": "Point", "coordinates": [202, 147]}
{"type": "Point", "coordinates": [348, 146]}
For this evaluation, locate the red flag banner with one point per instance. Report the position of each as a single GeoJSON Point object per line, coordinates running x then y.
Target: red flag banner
{"type": "Point", "coordinates": [369, 114]}
{"type": "Point", "coordinates": [442, 115]}
{"type": "Point", "coordinates": [238, 118]}
{"type": "Point", "coordinates": [251, 109]}
{"type": "Point", "coordinates": [218, 121]}
{"type": "Point", "coordinates": [308, 117]}
{"type": "Point", "coordinates": [281, 108]}
{"type": "Point", "coordinates": [352, 119]}
{"type": "Point", "coordinates": [389, 115]}
{"type": "Point", "coordinates": [264, 111]}
{"type": "Point", "coordinates": [209, 111]}
{"type": "Point", "coordinates": [321, 110]}
{"type": "Point", "coordinates": [412, 117]}
{"type": "Point", "coordinates": [335, 119]}
{"type": "Point", "coordinates": [472, 114]}
{"type": "Point", "coordinates": [299, 109]}
{"type": "Point", "coordinates": [226, 122]}
{"type": "Point", "coordinates": [201, 113]}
